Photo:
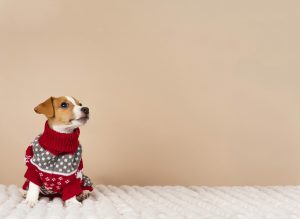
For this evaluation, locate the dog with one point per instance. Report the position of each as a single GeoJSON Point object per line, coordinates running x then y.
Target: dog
{"type": "Point", "coordinates": [53, 159]}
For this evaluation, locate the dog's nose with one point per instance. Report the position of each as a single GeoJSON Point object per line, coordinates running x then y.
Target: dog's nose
{"type": "Point", "coordinates": [85, 110]}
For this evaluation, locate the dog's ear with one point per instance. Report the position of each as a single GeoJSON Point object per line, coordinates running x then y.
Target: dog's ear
{"type": "Point", "coordinates": [46, 108]}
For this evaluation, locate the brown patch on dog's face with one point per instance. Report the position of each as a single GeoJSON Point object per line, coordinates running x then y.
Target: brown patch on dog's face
{"type": "Point", "coordinates": [64, 113]}
{"type": "Point", "coordinates": [58, 110]}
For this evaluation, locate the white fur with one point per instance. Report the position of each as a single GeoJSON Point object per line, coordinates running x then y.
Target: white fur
{"type": "Point", "coordinates": [74, 123]}
{"type": "Point", "coordinates": [73, 202]}
{"type": "Point", "coordinates": [76, 109]}
{"type": "Point", "coordinates": [33, 190]}
{"type": "Point", "coordinates": [64, 128]}
{"type": "Point", "coordinates": [32, 195]}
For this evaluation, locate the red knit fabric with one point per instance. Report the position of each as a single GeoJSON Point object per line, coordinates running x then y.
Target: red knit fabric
{"type": "Point", "coordinates": [63, 186]}
{"type": "Point", "coordinates": [58, 143]}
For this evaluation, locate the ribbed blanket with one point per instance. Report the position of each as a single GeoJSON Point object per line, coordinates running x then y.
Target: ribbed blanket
{"type": "Point", "coordinates": [269, 202]}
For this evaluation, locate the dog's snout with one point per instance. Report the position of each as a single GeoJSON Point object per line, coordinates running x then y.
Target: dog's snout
{"type": "Point", "coordinates": [85, 110]}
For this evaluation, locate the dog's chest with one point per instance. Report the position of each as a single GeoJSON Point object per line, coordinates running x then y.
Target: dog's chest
{"type": "Point", "coordinates": [65, 164]}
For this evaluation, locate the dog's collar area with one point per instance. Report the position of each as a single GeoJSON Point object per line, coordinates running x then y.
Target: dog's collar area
{"type": "Point", "coordinates": [59, 143]}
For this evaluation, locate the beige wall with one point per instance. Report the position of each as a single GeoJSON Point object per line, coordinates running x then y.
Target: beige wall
{"type": "Point", "coordinates": [181, 92]}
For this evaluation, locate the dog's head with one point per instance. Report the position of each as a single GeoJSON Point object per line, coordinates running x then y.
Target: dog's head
{"type": "Point", "coordinates": [64, 113]}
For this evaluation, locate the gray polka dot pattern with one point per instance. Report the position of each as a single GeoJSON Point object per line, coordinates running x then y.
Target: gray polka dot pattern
{"type": "Point", "coordinates": [86, 181]}
{"type": "Point", "coordinates": [45, 191]}
{"type": "Point", "coordinates": [65, 164]}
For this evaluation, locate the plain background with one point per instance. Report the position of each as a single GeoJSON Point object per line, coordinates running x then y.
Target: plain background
{"type": "Point", "coordinates": [180, 92]}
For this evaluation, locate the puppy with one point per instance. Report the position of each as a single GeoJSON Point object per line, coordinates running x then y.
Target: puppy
{"type": "Point", "coordinates": [54, 157]}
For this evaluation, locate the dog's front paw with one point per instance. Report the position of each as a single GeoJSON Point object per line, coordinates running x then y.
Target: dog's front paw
{"type": "Point", "coordinates": [31, 201]}
{"type": "Point", "coordinates": [32, 195]}
{"type": "Point", "coordinates": [73, 202]}
{"type": "Point", "coordinates": [84, 195]}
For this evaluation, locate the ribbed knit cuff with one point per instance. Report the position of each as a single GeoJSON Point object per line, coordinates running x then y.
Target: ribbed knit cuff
{"type": "Point", "coordinates": [90, 188]}
{"type": "Point", "coordinates": [72, 189]}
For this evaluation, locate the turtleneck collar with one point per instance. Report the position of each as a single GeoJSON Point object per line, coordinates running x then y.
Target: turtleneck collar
{"type": "Point", "coordinates": [59, 143]}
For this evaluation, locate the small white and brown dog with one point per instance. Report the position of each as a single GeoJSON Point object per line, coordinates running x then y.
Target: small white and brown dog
{"type": "Point", "coordinates": [54, 157]}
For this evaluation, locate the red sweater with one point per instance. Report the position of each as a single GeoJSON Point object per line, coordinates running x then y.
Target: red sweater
{"type": "Point", "coordinates": [54, 163]}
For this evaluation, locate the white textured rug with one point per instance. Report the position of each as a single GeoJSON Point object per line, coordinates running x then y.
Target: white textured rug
{"type": "Point", "coordinates": [282, 202]}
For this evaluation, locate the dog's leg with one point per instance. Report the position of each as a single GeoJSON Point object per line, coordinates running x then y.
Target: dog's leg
{"type": "Point", "coordinates": [32, 194]}
{"type": "Point", "coordinates": [84, 195]}
{"type": "Point", "coordinates": [73, 202]}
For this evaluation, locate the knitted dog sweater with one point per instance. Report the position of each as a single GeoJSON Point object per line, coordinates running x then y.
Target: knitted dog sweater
{"type": "Point", "coordinates": [54, 163]}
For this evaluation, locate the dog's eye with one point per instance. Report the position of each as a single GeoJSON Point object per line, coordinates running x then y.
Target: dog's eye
{"type": "Point", "coordinates": [80, 104]}
{"type": "Point", "coordinates": [64, 105]}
